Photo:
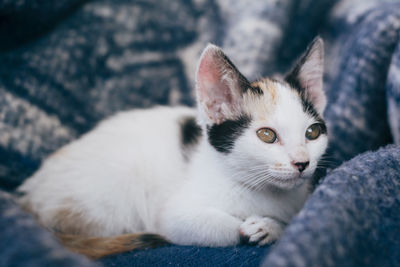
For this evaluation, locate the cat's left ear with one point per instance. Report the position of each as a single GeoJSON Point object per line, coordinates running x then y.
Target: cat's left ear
{"type": "Point", "coordinates": [219, 86]}
{"type": "Point", "coordinates": [307, 75]}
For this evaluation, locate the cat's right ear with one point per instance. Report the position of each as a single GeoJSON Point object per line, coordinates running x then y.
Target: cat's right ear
{"type": "Point", "coordinates": [219, 86]}
{"type": "Point", "coordinates": [307, 74]}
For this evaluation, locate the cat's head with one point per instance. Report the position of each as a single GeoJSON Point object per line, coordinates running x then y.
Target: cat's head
{"type": "Point", "coordinates": [268, 132]}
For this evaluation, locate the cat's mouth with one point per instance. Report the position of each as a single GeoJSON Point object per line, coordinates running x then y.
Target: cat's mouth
{"type": "Point", "coordinates": [288, 181]}
{"type": "Point", "coordinates": [283, 178]}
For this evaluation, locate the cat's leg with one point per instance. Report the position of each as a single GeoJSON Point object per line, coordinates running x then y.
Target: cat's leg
{"type": "Point", "coordinates": [201, 226]}
{"type": "Point", "coordinates": [260, 230]}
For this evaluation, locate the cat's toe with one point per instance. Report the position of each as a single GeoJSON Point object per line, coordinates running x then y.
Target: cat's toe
{"type": "Point", "coordinates": [256, 230]}
{"type": "Point", "coordinates": [268, 239]}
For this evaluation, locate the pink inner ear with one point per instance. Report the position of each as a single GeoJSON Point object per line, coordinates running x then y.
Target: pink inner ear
{"type": "Point", "coordinates": [311, 80]}
{"type": "Point", "coordinates": [210, 83]}
{"type": "Point", "coordinates": [217, 84]}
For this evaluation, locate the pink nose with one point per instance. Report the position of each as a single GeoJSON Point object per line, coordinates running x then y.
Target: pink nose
{"type": "Point", "coordinates": [301, 166]}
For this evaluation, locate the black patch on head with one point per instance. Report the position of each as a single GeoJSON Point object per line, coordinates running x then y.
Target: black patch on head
{"type": "Point", "coordinates": [293, 81]}
{"type": "Point", "coordinates": [308, 107]}
{"type": "Point", "coordinates": [244, 84]}
{"type": "Point", "coordinates": [256, 89]}
{"type": "Point", "coordinates": [152, 240]}
{"type": "Point", "coordinates": [275, 80]}
{"type": "Point", "coordinates": [222, 136]}
{"type": "Point", "coordinates": [190, 131]}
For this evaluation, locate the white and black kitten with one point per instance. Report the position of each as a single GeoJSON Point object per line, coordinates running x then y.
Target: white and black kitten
{"type": "Point", "coordinates": [236, 168]}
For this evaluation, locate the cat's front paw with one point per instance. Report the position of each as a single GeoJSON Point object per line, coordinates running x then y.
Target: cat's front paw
{"type": "Point", "coordinates": [257, 230]}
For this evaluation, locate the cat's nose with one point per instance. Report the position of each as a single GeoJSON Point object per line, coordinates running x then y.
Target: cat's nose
{"type": "Point", "coordinates": [301, 166]}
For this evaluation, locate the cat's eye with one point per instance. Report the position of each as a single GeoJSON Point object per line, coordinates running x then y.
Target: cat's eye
{"type": "Point", "coordinates": [314, 131]}
{"type": "Point", "coordinates": [266, 135]}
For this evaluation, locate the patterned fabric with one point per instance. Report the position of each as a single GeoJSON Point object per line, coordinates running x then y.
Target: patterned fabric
{"type": "Point", "coordinates": [352, 218]}
{"type": "Point", "coordinates": [65, 65]}
{"type": "Point", "coordinates": [25, 243]}
{"type": "Point", "coordinates": [358, 84]}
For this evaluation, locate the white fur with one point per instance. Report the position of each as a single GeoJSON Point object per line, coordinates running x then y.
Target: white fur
{"type": "Point", "coordinates": [129, 175]}
{"type": "Point", "coordinates": [119, 174]}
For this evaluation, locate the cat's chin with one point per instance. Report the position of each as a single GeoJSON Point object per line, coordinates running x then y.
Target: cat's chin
{"type": "Point", "coordinates": [279, 183]}
{"type": "Point", "coordinates": [287, 183]}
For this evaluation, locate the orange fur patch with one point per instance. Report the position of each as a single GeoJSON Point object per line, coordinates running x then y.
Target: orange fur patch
{"type": "Point", "coordinates": [268, 87]}
{"type": "Point", "coordinates": [73, 231]}
{"type": "Point", "coordinates": [67, 221]}
{"type": "Point", "coordinates": [97, 247]}
{"type": "Point", "coordinates": [71, 221]}
{"type": "Point", "coordinates": [259, 106]}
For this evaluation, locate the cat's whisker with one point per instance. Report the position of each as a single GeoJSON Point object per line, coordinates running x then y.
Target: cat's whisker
{"type": "Point", "coordinates": [252, 180]}
{"type": "Point", "coordinates": [261, 180]}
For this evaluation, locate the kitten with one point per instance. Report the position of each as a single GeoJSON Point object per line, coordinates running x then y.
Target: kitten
{"type": "Point", "coordinates": [237, 169]}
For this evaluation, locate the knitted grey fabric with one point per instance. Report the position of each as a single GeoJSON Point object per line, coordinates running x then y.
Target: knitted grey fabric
{"type": "Point", "coordinates": [357, 81]}
{"type": "Point", "coordinates": [393, 95]}
{"type": "Point", "coordinates": [352, 219]}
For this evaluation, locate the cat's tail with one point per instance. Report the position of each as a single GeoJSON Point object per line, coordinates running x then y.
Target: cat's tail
{"type": "Point", "coordinates": [97, 247]}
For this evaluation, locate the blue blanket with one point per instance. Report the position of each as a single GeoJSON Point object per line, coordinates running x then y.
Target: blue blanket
{"type": "Point", "coordinates": [65, 65]}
